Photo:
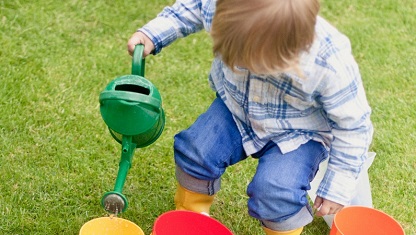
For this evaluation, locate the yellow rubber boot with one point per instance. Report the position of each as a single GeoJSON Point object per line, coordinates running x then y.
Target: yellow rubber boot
{"type": "Point", "coordinates": [192, 201]}
{"type": "Point", "coordinates": [291, 232]}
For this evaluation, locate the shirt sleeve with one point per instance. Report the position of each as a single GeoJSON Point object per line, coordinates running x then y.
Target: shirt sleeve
{"type": "Point", "coordinates": [343, 98]}
{"type": "Point", "coordinates": [176, 21]}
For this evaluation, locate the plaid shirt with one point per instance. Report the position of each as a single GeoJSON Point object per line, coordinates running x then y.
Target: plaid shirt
{"type": "Point", "coordinates": [328, 105]}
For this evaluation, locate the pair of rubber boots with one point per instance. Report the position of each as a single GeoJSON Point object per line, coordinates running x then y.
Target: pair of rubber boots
{"type": "Point", "coordinates": [197, 202]}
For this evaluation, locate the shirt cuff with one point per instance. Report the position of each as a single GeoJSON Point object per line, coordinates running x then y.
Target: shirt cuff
{"type": "Point", "coordinates": [160, 33]}
{"type": "Point", "coordinates": [337, 187]}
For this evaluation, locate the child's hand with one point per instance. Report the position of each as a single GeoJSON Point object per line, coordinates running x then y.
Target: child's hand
{"type": "Point", "coordinates": [140, 38]}
{"type": "Point", "coordinates": [326, 207]}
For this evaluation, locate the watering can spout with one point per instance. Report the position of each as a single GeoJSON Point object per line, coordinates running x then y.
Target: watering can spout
{"type": "Point", "coordinates": [115, 202]}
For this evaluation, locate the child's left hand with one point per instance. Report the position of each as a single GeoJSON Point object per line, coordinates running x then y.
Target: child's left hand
{"type": "Point", "coordinates": [326, 207]}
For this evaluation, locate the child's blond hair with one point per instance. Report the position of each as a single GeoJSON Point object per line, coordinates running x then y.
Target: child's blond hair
{"type": "Point", "coordinates": [264, 36]}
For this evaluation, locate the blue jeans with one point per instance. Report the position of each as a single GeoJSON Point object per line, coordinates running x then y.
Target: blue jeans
{"type": "Point", "coordinates": [278, 190]}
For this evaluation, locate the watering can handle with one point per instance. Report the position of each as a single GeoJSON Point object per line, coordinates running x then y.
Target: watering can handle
{"type": "Point", "coordinates": [137, 67]}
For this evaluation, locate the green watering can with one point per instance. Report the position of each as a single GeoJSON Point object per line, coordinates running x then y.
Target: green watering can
{"type": "Point", "coordinates": [131, 107]}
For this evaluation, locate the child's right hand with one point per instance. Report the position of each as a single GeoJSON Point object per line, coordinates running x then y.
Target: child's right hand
{"type": "Point", "coordinates": [140, 38]}
{"type": "Point", "coordinates": [326, 207]}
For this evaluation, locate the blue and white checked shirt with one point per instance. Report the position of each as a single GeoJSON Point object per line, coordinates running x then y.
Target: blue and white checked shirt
{"type": "Point", "coordinates": [328, 106]}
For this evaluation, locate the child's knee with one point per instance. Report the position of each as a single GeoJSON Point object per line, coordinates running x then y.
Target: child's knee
{"type": "Point", "coordinates": [275, 199]}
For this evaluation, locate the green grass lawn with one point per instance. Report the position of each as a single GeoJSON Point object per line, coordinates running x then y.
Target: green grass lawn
{"type": "Point", "coordinates": [57, 158]}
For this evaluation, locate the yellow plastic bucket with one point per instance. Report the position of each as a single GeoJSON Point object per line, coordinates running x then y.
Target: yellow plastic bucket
{"type": "Point", "coordinates": [110, 226]}
{"type": "Point", "coordinates": [359, 220]}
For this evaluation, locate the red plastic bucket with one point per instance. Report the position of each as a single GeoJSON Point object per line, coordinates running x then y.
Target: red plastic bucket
{"type": "Point", "coordinates": [359, 220]}
{"type": "Point", "coordinates": [188, 223]}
